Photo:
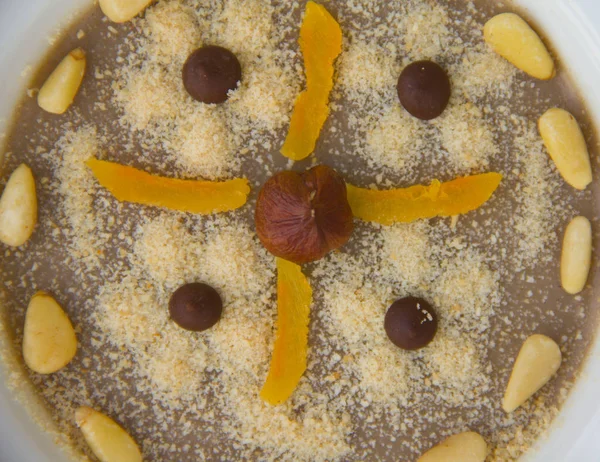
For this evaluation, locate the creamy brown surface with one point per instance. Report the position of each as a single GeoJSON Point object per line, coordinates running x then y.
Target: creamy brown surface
{"type": "Point", "coordinates": [46, 262]}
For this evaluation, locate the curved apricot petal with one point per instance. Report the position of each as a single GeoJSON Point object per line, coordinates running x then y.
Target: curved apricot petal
{"type": "Point", "coordinates": [288, 363]}
{"type": "Point", "coordinates": [321, 43]}
{"type": "Point", "coordinates": [404, 205]}
{"type": "Point", "coordinates": [129, 184]}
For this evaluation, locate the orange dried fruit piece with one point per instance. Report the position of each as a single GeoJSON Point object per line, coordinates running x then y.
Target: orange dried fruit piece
{"type": "Point", "coordinates": [404, 205]}
{"type": "Point", "coordinates": [288, 363]}
{"type": "Point", "coordinates": [129, 184]}
{"type": "Point", "coordinates": [321, 44]}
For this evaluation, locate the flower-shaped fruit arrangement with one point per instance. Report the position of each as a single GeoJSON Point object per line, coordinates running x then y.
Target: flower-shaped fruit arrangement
{"type": "Point", "coordinates": [300, 217]}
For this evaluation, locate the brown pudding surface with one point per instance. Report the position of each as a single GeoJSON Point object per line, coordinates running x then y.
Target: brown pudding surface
{"type": "Point", "coordinates": [492, 275]}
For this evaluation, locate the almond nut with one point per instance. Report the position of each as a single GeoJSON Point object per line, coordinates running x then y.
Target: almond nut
{"type": "Point", "coordinates": [18, 207]}
{"type": "Point", "coordinates": [464, 447]}
{"type": "Point", "coordinates": [566, 146]}
{"type": "Point", "coordinates": [49, 341]}
{"type": "Point", "coordinates": [107, 439]}
{"type": "Point", "coordinates": [59, 90]}
{"type": "Point", "coordinates": [538, 360]}
{"type": "Point", "coordinates": [513, 39]}
{"type": "Point", "coordinates": [123, 10]}
{"type": "Point", "coordinates": [576, 257]}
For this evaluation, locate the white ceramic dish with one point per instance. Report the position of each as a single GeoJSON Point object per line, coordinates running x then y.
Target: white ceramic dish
{"type": "Point", "coordinates": [574, 30]}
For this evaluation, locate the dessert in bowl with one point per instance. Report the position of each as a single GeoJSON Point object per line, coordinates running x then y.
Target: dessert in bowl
{"type": "Point", "coordinates": [111, 249]}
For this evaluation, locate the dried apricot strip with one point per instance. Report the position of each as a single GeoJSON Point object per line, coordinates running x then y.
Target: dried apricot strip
{"type": "Point", "coordinates": [288, 363]}
{"type": "Point", "coordinates": [321, 44]}
{"type": "Point", "coordinates": [408, 204]}
{"type": "Point", "coordinates": [128, 184]}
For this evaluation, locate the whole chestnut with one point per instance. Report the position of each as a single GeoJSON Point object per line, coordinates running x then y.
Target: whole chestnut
{"type": "Point", "coordinates": [302, 216]}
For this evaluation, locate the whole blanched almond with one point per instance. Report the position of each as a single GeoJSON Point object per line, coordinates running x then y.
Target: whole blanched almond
{"type": "Point", "coordinates": [123, 10]}
{"type": "Point", "coordinates": [538, 360]}
{"type": "Point", "coordinates": [567, 148]}
{"type": "Point", "coordinates": [107, 439]}
{"type": "Point", "coordinates": [513, 39]}
{"type": "Point", "coordinates": [49, 341]}
{"type": "Point", "coordinates": [18, 207]}
{"type": "Point", "coordinates": [464, 447]}
{"type": "Point", "coordinates": [61, 87]}
{"type": "Point", "coordinates": [576, 257]}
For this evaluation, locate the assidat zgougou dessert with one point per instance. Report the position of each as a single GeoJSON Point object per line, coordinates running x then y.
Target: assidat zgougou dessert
{"type": "Point", "coordinates": [297, 231]}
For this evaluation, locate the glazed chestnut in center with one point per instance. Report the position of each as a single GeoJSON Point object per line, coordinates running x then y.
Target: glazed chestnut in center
{"type": "Point", "coordinates": [302, 216]}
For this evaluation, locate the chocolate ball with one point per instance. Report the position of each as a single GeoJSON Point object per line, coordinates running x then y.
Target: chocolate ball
{"type": "Point", "coordinates": [209, 73]}
{"type": "Point", "coordinates": [410, 323]}
{"type": "Point", "coordinates": [424, 89]}
{"type": "Point", "coordinates": [195, 306]}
